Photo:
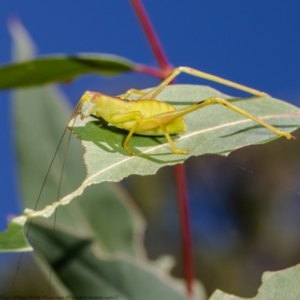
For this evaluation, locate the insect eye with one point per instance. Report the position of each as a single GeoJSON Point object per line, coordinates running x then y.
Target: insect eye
{"type": "Point", "coordinates": [96, 97]}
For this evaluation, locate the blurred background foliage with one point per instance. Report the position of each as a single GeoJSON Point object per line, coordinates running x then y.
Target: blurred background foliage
{"type": "Point", "coordinates": [244, 222]}
{"type": "Point", "coordinates": [245, 209]}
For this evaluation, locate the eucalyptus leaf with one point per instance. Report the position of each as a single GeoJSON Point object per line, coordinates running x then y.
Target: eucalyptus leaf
{"type": "Point", "coordinates": [214, 129]}
{"type": "Point", "coordinates": [61, 68]}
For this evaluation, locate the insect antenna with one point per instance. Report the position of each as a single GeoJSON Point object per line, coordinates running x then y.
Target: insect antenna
{"type": "Point", "coordinates": [73, 116]}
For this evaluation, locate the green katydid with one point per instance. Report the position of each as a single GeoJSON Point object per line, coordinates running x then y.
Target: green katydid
{"type": "Point", "coordinates": [147, 116]}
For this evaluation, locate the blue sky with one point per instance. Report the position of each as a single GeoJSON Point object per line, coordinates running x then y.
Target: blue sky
{"type": "Point", "coordinates": [252, 42]}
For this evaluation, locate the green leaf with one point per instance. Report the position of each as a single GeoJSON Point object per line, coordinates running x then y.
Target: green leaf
{"type": "Point", "coordinates": [278, 285]}
{"type": "Point", "coordinates": [13, 238]}
{"type": "Point", "coordinates": [85, 271]}
{"type": "Point", "coordinates": [213, 129]}
{"type": "Point", "coordinates": [61, 68]}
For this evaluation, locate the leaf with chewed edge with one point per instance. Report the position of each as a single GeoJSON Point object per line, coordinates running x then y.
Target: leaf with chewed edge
{"type": "Point", "coordinates": [214, 129]}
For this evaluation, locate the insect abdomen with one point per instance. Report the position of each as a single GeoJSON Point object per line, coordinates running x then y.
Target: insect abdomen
{"type": "Point", "coordinates": [153, 110]}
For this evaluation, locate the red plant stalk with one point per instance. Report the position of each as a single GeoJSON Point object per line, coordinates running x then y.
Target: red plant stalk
{"type": "Point", "coordinates": [151, 36]}
{"type": "Point", "coordinates": [189, 272]}
{"type": "Point", "coordinates": [180, 173]}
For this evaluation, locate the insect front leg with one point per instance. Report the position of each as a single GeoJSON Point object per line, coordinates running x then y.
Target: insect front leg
{"type": "Point", "coordinates": [131, 92]}
{"type": "Point", "coordinates": [136, 116]}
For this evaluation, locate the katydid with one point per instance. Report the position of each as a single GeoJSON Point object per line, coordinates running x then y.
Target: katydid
{"type": "Point", "coordinates": [150, 117]}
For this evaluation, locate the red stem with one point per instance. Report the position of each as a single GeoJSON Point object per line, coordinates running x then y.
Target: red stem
{"type": "Point", "coordinates": [180, 173]}
{"type": "Point", "coordinates": [189, 273]}
{"type": "Point", "coordinates": [151, 36]}
{"type": "Point", "coordinates": [152, 71]}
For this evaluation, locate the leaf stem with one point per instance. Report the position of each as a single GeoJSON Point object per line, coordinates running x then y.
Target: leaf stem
{"type": "Point", "coordinates": [149, 70]}
{"type": "Point", "coordinates": [180, 173]}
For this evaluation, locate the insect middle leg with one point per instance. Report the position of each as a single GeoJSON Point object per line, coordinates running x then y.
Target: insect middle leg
{"type": "Point", "coordinates": [167, 135]}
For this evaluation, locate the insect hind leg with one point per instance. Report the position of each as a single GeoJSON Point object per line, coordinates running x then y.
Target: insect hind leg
{"type": "Point", "coordinates": [154, 92]}
{"type": "Point", "coordinates": [248, 115]}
